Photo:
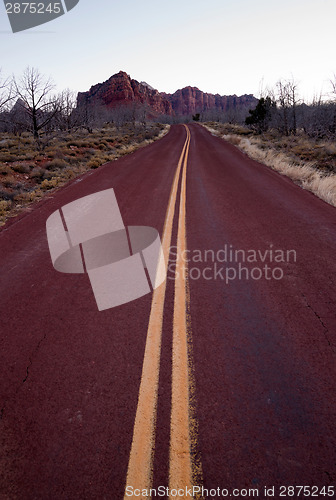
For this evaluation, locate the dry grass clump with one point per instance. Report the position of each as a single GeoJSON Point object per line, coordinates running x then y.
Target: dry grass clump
{"type": "Point", "coordinates": [21, 167]}
{"type": "Point", "coordinates": [5, 206]}
{"type": "Point", "coordinates": [323, 187]}
{"type": "Point", "coordinates": [5, 156]}
{"type": "Point", "coordinates": [28, 170]}
{"type": "Point", "coordinates": [95, 163]}
{"type": "Point", "coordinates": [37, 173]}
{"type": "Point", "coordinates": [56, 164]}
{"type": "Point", "coordinates": [309, 163]}
{"type": "Point", "coordinates": [221, 129]}
{"type": "Point", "coordinates": [8, 181]}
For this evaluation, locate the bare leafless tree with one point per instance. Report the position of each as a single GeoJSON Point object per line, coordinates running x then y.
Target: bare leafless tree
{"type": "Point", "coordinates": [6, 92]}
{"type": "Point", "coordinates": [284, 103]}
{"type": "Point", "coordinates": [294, 100]}
{"type": "Point", "coordinates": [142, 114]}
{"type": "Point", "coordinates": [34, 93]}
{"type": "Point", "coordinates": [67, 118]}
{"type": "Point", "coordinates": [120, 115]}
{"type": "Point", "coordinates": [333, 85]}
{"type": "Point", "coordinates": [288, 101]}
{"type": "Point", "coordinates": [89, 114]}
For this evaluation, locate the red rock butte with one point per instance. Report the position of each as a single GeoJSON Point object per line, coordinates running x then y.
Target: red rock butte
{"type": "Point", "coordinates": [121, 89]}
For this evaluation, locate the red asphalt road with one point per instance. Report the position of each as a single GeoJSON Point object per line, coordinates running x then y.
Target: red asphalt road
{"type": "Point", "coordinates": [263, 351]}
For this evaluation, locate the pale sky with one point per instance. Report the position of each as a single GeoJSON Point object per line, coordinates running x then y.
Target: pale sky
{"type": "Point", "coordinates": [220, 46]}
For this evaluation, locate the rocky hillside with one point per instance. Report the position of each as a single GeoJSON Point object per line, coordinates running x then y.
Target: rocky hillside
{"type": "Point", "coordinates": [121, 89]}
{"type": "Point", "coordinates": [191, 100]}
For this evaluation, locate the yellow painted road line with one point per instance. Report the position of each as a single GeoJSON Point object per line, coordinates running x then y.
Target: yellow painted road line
{"type": "Point", "coordinates": [140, 466]}
{"type": "Point", "coordinates": [180, 466]}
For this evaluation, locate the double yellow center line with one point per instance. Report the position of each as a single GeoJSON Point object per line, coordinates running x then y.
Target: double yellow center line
{"type": "Point", "coordinates": [140, 467]}
{"type": "Point", "coordinates": [180, 473]}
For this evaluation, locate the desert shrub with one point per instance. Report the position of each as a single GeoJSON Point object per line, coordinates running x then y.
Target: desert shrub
{"type": "Point", "coordinates": [103, 145]}
{"type": "Point", "coordinates": [49, 183]}
{"type": "Point", "coordinates": [229, 128]}
{"type": "Point", "coordinates": [108, 157]}
{"type": "Point", "coordinates": [27, 156]}
{"type": "Point", "coordinates": [26, 196]}
{"type": "Point", "coordinates": [94, 163]}
{"type": "Point", "coordinates": [5, 206]}
{"type": "Point", "coordinates": [72, 160]}
{"type": "Point", "coordinates": [37, 173]}
{"type": "Point", "coordinates": [48, 174]}
{"type": "Point", "coordinates": [88, 153]}
{"type": "Point", "coordinates": [9, 144]}
{"type": "Point", "coordinates": [6, 196]}
{"type": "Point", "coordinates": [56, 164]}
{"type": "Point", "coordinates": [8, 181]}
{"type": "Point", "coordinates": [5, 169]}
{"type": "Point", "coordinates": [84, 144]}
{"type": "Point", "coordinates": [72, 143]}
{"type": "Point", "coordinates": [27, 141]}
{"type": "Point", "coordinates": [21, 168]}
{"type": "Point", "coordinates": [60, 153]}
{"type": "Point", "coordinates": [5, 156]}
{"type": "Point", "coordinates": [19, 187]}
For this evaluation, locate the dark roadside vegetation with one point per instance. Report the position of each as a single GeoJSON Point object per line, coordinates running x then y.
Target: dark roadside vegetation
{"type": "Point", "coordinates": [294, 138]}
{"type": "Point", "coordinates": [28, 172]}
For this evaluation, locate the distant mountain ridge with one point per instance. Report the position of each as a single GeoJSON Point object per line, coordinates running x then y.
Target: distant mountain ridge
{"type": "Point", "coordinates": [121, 89]}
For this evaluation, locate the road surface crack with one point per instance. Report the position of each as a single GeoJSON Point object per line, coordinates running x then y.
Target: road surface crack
{"type": "Point", "coordinates": [326, 330]}
{"type": "Point", "coordinates": [329, 476]}
{"type": "Point", "coordinates": [31, 360]}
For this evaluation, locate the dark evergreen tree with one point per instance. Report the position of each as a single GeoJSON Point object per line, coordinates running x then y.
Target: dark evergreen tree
{"type": "Point", "coordinates": [260, 117]}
